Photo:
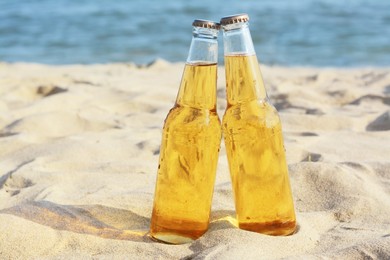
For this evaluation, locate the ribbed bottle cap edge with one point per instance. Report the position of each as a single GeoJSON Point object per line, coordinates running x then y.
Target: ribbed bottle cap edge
{"type": "Point", "coordinates": [237, 18]}
{"type": "Point", "coordinates": [206, 24]}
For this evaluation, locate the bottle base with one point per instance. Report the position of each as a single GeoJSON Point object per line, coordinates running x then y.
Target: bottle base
{"type": "Point", "coordinates": [171, 238]}
{"type": "Point", "coordinates": [175, 231]}
{"type": "Point", "coordinates": [275, 228]}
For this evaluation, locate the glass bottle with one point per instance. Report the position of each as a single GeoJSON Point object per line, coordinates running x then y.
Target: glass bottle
{"type": "Point", "coordinates": [190, 146]}
{"type": "Point", "coordinates": [253, 138]}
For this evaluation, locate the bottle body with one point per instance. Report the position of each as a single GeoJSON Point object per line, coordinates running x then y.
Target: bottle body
{"type": "Point", "coordinates": [254, 145]}
{"type": "Point", "coordinates": [188, 158]}
{"type": "Point", "coordinates": [188, 161]}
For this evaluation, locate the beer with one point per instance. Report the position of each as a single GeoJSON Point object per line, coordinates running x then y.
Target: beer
{"type": "Point", "coordinates": [190, 145]}
{"type": "Point", "coordinates": [253, 138]}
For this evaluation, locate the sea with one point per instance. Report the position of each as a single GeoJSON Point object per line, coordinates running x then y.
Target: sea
{"type": "Point", "coordinates": [320, 33]}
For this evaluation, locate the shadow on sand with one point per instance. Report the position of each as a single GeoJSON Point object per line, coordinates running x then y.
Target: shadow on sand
{"type": "Point", "coordinates": [97, 220]}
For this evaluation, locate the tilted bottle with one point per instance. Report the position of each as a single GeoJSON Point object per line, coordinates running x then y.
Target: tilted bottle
{"type": "Point", "coordinates": [253, 138]}
{"type": "Point", "coordinates": [190, 146]}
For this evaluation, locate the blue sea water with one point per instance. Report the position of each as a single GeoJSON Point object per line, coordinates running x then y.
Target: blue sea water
{"type": "Point", "coordinates": [347, 33]}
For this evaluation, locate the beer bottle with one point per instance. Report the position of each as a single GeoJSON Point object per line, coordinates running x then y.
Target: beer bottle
{"type": "Point", "coordinates": [190, 146]}
{"type": "Point", "coordinates": [253, 138]}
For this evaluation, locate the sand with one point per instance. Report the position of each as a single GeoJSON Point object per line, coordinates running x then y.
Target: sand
{"type": "Point", "coordinates": [79, 149]}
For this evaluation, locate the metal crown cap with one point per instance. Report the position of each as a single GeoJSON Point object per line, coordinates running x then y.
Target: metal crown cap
{"type": "Point", "coordinates": [237, 18]}
{"type": "Point", "coordinates": [206, 24]}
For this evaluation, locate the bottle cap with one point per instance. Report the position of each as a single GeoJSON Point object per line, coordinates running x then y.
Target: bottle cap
{"type": "Point", "coordinates": [206, 24]}
{"type": "Point", "coordinates": [237, 18]}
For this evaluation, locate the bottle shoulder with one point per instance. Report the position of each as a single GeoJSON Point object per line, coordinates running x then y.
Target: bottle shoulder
{"type": "Point", "coordinates": [254, 112]}
{"type": "Point", "coordinates": [254, 107]}
{"type": "Point", "coordinates": [182, 116]}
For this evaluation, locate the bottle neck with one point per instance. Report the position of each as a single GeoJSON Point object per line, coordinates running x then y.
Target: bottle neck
{"type": "Point", "coordinates": [244, 82]}
{"type": "Point", "coordinates": [237, 40]}
{"type": "Point", "coordinates": [204, 46]}
{"type": "Point", "coordinates": [199, 81]}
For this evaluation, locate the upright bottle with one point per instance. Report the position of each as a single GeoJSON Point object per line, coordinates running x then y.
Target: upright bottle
{"type": "Point", "coordinates": [253, 139]}
{"type": "Point", "coordinates": [190, 145]}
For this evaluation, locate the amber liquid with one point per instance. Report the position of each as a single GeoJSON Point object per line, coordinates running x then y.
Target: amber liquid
{"type": "Point", "coordinates": [188, 159]}
{"type": "Point", "coordinates": [255, 150]}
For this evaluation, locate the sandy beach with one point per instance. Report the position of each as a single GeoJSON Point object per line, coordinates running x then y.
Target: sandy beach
{"type": "Point", "coordinates": [79, 148]}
